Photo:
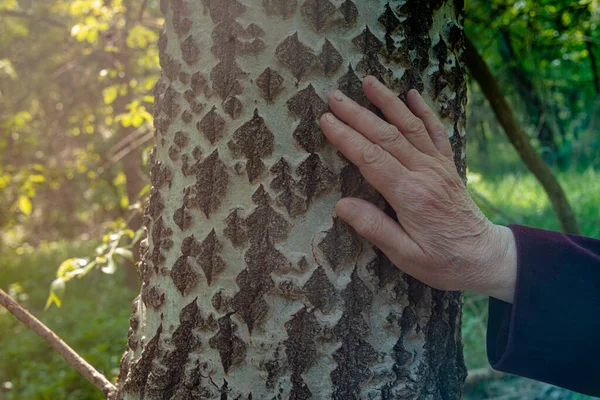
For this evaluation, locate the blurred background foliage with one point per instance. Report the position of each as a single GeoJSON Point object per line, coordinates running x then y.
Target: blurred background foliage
{"type": "Point", "coordinates": [76, 80]}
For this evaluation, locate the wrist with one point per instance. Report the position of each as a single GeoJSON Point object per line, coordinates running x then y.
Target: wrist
{"type": "Point", "coordinates": [499, 265]}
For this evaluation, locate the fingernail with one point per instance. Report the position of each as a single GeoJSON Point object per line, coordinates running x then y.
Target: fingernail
{"type": "Point", "coordinates": [330, 118]}
{"type": "Point", "coordinates": [345, 208]}
{"type": "Point", "coordinates": [338, 95]}
{"type": "Point", "coordinates": [372, 81]}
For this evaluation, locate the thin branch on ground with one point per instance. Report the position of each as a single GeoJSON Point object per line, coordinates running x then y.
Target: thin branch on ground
{"type": "Point", "coordinates": [74, 359]}
{"type": "Point", "coordinates": [481, 375]}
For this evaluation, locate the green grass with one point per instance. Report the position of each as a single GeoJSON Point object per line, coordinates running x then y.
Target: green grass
{"type": "Point", "coordinates": [93, 320]}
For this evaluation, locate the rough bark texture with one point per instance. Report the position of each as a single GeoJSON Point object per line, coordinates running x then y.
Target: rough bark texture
{"type": "Point", "coordinates": [252, 289]}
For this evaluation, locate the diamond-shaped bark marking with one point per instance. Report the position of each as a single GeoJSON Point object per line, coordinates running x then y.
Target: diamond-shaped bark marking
{"type": "Point", "coordinates": [353, 184]}
{"type": "Point", "coordinates": [253, 140]}
{"type": "Point", "coordinates": [254, 30]}
{"type": "Point", "coordinates": [317, 13]}
{"type": "Point", "coordinates": [190, 51]}
{"type": "Point", "coordinates": [198, 82]}
{"type": "Point", "coordinates": [187, 116]}
{"type": "Point", "coordinates": [231, 348]}
{"type": "Point", "coordinates": [168, 102]}
{"type": "Point", "coordinates": [410, 80]}
{"type": "Point", "coordinates": [285, 185]}
{"type": "Point", "coordinates": [351, 85]}
{"type": "Point", "coordinates": [283, 8]}
{"type": "Point", "coordinates": [182, 218]}
{"type": "Point", "coordinates": [296, 56]}
{"type": "Point", "coordinates": [181, 25]}
{"type": "Point", "coordinates": [261, 196]}
{"type": "Point", "coordinates": [262, 258]}
{"type": "Point", "coordinates": [320, 291]}
{"type": "Point", "coordinates": [223, 10]}
{"type": "Point", "coordinates": [160, 175]}
{"type": "Point", "coordinates": [184, 275]}
{"type": "Point", "coordinates": [155, 204]}
{"type": "Point", "coordinates": [211, 125]}
{"type": "Point", "coordinates": [159, 233]}
{"type": "Point", "coordinates": [368, 43]}
{"type": "Point", "coordinates": [235, 230]}
{"type": "Point", "coordinates": [349, 11]}
{"type": "Point", "coordinates": [209, 257]}
{"type": "Point", "coordinates": [389, 19]}
{"type": "Point", "coordinates": [224, 77]}
{"type": "Point", "coordinates": [233, 107]}
{"type": "Point", "coordinates": [264, 220]}
{"type": "Point", "coordinates": [330, 58]}
{"type": "Point", "coordinates": [301, 350]}
{"type": "Point", "coordinates": [211, 183]}
{"type": "Point", "coordinates": [269, 83]}
{"type": "Point", "coordinates": [370, 65]}
{"type": "Point", "coordinates": [308, 133]}
{"type": "Point", "coordinates": [340, 245]}
{"type": "Point", "coordinates": [189, 246]}
{"type": "Point", "coordinates": [315, 177]}
{"type": "Point", "coordinates": [387, 274]}
{"type": "Point", "coordinates": [181, 139]}
{"type": "Point", "coordinates": [307, 98]}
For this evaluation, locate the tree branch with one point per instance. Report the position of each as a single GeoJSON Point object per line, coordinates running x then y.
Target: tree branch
{"type": "Point", "coordinates": [493, 93]}
{"type": "Point", "coordinates": [74, 359]}
{"type": "Point", "coordinates": [39, 18]}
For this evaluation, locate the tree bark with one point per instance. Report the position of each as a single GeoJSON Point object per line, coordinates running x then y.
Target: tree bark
{"type": "Point", "coordinates": [489, 86]}
{"type": "Point", "coordinates": [251, 287]}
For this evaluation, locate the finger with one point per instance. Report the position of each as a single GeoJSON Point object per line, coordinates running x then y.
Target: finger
{"type": "Point", "coordinates": [398, 114]}
{"type": "Point", "coordinates": [434, 126]}
{"type": "Point", "coordinates": [378, 166]}
{"type": "Point", "coordinates": [377, 227]}
{"type": "Point", "coordinates": [372, 127]}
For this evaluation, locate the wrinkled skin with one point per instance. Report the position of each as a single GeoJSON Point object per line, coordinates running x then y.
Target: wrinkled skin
{"type": "Point", "coordinates": [442, 237]}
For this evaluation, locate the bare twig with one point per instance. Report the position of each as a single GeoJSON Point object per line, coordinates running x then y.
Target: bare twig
{"type": "Point", "coordinates": [480, 375]}
{"type": "Point", "coordinates": [74, 359]}
{"type": "Point", "coordinates": [40, 18]}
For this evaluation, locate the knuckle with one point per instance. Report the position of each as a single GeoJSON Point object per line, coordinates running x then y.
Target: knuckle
{"type": "Point", "coordinates": [412, 126]}
{"type": "Point", "coordinates": [373, 155]}
{"type": "Point", "coordinates": [387, 133]}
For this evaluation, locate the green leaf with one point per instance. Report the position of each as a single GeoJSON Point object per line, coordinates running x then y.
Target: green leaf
{"type": "Point", "coordinates": [110, 94]}
{"type": "Point", "coordinates": [25, 205]}
{"type": "Point", "coordinates": [57, 290]}
{"type": "Point", "coordinates": [128, 254]}
{"type": "Point", "coordinates": [110, 266]}
{"type": "Point", "coordinates": [70, 265]}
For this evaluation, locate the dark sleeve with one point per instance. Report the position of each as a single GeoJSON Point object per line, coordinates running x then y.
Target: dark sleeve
{"type": "Point", "coordinates": [551, 332]}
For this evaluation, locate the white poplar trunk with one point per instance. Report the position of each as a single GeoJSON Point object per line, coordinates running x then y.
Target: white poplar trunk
{"type": "Point", "coordinates": [252, 289]}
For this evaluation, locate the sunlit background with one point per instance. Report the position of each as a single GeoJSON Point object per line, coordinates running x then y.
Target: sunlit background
{"type": "Point", "coordinates": [76, 80]}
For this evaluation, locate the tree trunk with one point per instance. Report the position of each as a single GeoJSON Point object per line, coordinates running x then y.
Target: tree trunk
{"type": "Point", "coordinates": [251, 287]}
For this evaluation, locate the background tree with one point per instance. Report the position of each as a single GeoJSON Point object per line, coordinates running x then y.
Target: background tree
{"type": "Point", "coordinates": [251, 287]}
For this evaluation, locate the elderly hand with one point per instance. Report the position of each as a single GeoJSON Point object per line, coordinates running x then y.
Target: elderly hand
{"type": "Point", "coordinates": [442, 239]}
